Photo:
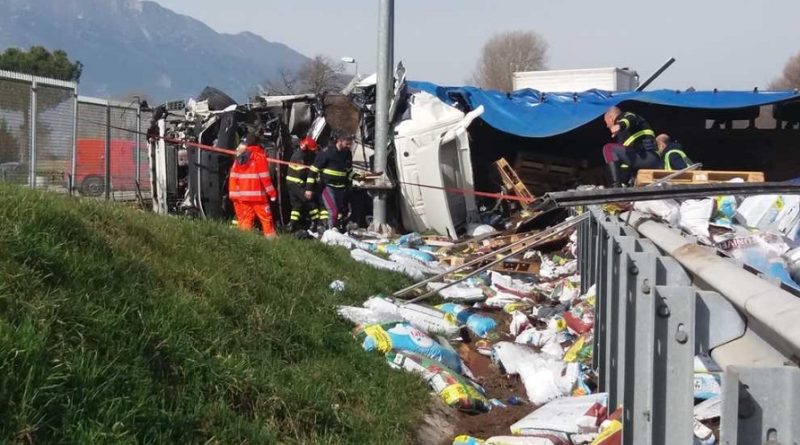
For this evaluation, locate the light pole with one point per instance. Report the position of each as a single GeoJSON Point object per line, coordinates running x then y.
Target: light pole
{"type": "Point", "coordinates": [384, 89]}
{"type": "Point", "coordinates": [353, 61]}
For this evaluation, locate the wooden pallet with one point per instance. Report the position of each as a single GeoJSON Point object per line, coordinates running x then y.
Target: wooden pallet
{"type": "Point", "coordinates": [645, 177]}
{"type": "Point", "coordinates": [512, 183]}
{"type": "Point", "coordinates": [544, 173]}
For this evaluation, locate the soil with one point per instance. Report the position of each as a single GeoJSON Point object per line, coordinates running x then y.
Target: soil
{"type": "Point", "coordinates": [497, 386]}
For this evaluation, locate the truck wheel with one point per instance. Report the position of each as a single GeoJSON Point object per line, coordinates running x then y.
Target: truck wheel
{"type": "Point", "coordinates": [92, 186]}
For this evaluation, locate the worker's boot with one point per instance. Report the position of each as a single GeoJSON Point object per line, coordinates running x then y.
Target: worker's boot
{"type": "Point", "coordinates": [614, 174]}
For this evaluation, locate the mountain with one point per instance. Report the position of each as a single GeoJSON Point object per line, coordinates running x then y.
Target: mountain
{"type": "Point", "coordinates": [139, 47]}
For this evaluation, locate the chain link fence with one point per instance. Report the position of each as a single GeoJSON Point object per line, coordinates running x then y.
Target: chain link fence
{"type": "Point", "coordinates": [52, 139]}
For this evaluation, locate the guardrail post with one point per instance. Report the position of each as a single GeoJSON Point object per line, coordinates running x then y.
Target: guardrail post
{"type": "Point", "coordinates": [617, 323]}
{"type": "Point", "coordinates": [760, 406]}
{"type": "Point", "coordinates": [673, 396]}
{"type": "Point", "coordinates": [639, 301]}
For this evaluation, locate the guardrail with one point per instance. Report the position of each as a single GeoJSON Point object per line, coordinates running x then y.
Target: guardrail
{"type": "Point", "coordinates": [655, 313]}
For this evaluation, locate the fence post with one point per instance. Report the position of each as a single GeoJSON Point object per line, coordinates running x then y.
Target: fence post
{"type": "Point", "coordinates": [74, 164]}
{"type": "Point", "coordinates": [138, 162]}
{"type": "Point", "coordinates": [32, 165]}
{"type": "Point", "coordinates": [107, 156]}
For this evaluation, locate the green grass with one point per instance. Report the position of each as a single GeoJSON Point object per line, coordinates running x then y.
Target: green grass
{"type": "Point", "coordinates": [118, 326]}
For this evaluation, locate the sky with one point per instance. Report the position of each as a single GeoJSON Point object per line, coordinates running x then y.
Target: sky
{"type": "Point", "coordinates": [725, 44]}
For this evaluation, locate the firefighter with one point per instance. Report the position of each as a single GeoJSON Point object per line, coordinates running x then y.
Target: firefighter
{"type": "Point", "coordinates": [302, 208]}
{"type": "Point", "coordinates": [672, 153]}
{"type": "Point", "coordinates": [250, 188]}
{"type": "Point", "coordinates": [333, 169]}
{"type": "Point", "coordinates": [635, 145]}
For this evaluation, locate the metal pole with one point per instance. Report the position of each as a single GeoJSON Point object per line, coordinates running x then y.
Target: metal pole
{"type": "Point", "coordinates": [385, 85]}
{"type": "Point", "coordinates": [533, 239]}
{"type": "Point", "coordinates": [539, 237]}
{"type": "Point", "coordinates": [656, 74]}
{"type": "Point", "coordinates": [32, 166]}
{"type": "Point", "coordinates": [74, 164]}
{"type": "Point", "coordinates": [138, 162]}
{"type": "Point", "coordinates": [107, 156]}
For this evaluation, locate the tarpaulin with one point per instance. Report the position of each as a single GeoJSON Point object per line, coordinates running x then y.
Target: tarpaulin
{"type": "Point", "coordinates": [529, 113]}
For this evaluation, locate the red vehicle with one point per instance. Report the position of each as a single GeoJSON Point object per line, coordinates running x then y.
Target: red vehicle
{"type": "Point", "coordinates": [90, 166]}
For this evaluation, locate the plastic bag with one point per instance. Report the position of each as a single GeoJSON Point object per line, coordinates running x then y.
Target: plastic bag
{"type": "Point", "coordinates": [560, 416]}
{"type": "Point", "coordinates": [695, 215]}
{"type": "Point", "coordinates": [549, 382]}
{"type": "Point", "coordinates": [545, 341]}
{"type": "Point", "coordinates": [527, 440]}
{"type": "Point", "coordinates": [363, 316]}
{"type": "Point", "coordinates": [403, 336]}
{"type": "Point", "coordinates": [665, 209]}
{"type": "Point", "coordinates": [512, 357]}
{"type": "Point", "coordinates": [763, 251]}
{"type": "Point", "coordinates": [428, 319]}
{"type": "Point", "coordinates": [468, 440]}
{"type": "Point", "coordinates": [507, 284]}
{"type": "Point", "coordinates": [580, 351]}
{"type": "Point", "coordinates": [456, 391]}
{"type": "Point", "coordinates": [478, 324]}
{"type": "Point", "coordinates": [365, 257]}
{"type": "Point", "coordinates": [334, 238]}
{"type": "Point", "coordinates": [519, 323]}
{"type": "Point", "coordinates": [412, 239]}
{"type": "Point", "coordinates": [458, 292]}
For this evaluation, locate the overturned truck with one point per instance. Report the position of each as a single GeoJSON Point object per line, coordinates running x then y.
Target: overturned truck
{"type": "Point", "coordinates": [446, 140]}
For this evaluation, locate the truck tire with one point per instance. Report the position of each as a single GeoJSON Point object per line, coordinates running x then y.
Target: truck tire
{"type": "Point", "coordinates": [92, 186]}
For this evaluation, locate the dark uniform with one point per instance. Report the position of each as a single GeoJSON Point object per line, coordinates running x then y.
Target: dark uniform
{"type": "Point", "coordinates": [333, 168]}
{"type": "Point", "coordinates": [675, 158]}
{"type": "Point", "coordinates": [635, 147]}
{"type": "Point", "coordinates": [296, 182]}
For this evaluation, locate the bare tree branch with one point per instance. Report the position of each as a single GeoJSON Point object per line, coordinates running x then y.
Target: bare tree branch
{"type": "Point", "coordinates": [507, 53]}
{"type": "Point", "coordinates": [286, 83]}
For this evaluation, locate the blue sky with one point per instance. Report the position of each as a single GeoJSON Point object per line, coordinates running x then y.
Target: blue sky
{"type": "Point", "coordinates": [726, 44]}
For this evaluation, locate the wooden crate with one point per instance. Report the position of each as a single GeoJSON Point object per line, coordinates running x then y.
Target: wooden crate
{"type": "Point", "coordinates": [519, 267]}
{"type": "Point", "coordinates": [645, 177]}
{"type": "Point", "coordinates": [545, 173]}
{"type": "Point", "coordinates": [512, 183]}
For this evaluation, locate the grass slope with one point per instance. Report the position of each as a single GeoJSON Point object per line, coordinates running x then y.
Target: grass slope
{"type": "Point", "coordinates": [118, 326]}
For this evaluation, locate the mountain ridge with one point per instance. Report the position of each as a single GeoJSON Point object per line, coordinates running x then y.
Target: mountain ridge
{"type": "Point", "coordinates": [139, 47]}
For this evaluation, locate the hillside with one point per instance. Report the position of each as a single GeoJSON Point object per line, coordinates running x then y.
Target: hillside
{"type": "Point", "coordinates": [118, 326]}
{"type": "Point", "coordinates": [132, 46]}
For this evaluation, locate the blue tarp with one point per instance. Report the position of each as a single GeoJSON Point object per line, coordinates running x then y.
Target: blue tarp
{"type": "Point", "coordinates": [529, 113]}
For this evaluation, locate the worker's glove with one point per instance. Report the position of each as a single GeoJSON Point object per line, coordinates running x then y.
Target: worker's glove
{"type": "Point", "coordinates": [273, 199]}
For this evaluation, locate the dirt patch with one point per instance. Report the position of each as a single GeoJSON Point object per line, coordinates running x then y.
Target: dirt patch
{"type": "Point", "coordinates": [498, 386]}
{"type": "Point", "coordinates": [438, 426]}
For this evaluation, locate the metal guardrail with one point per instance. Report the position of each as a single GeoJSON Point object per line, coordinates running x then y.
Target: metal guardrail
{"type": "Point", "coordinates": [651, 321]}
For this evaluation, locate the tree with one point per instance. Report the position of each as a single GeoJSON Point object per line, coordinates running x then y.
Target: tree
{"type": "Point", "coordinates": [318, 75]}
{"type": "Point", "coordinates": [507, 53]}
{"type": "Point", "coordinates": [790, 79]}
{"type": "Point", "coordinates": [38, 61]}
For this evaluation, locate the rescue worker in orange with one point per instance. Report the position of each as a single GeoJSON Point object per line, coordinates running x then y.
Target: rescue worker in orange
{"type": "Point", "coordinates": [250, 188]}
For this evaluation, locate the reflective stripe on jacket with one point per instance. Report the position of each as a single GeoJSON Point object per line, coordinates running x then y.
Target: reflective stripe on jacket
{"type": "Point", "coordinates": [333, 167]}
{"type": "Point", "coordinates": [635, 132]}
{"type": "Point", "coordinates": [250, 180]}
{"type": "Point", "coordinates": [298, 169]}
{"type": "Point", "coordinates": [680, 163]}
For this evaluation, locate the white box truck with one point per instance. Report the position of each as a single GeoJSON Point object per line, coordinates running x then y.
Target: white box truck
{"type": "Point", "coordinates": [576, 81]}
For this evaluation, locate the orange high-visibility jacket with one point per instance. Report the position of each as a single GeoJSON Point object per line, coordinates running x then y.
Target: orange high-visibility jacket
{"type": "Point", "coordinates": [250, 181]}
